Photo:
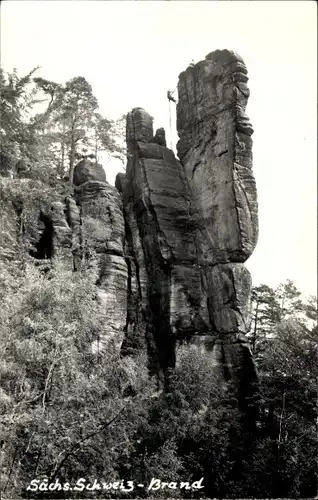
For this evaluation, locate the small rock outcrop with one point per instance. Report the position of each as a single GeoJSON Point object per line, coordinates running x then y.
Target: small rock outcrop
{"type": "Point", "coordinates": [192, 223]}
{"type": "Point", "coordinates": [87, 170]}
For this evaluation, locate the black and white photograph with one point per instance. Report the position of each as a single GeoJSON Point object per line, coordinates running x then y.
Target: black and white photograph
{"type": "Point", "coordinates": [158, 250]}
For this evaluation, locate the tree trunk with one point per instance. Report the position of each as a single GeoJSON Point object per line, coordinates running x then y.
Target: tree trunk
{"type": "Point", "coordinates": [281, 422]}
{"type": "Point", "coordinates": [96, 149]}
{"type": "Point", "coordinates": [63, 149]}
{"type": "Point", "coordinates": [72, 156]}
{"type": "Point", "coordinates": [255, 329]}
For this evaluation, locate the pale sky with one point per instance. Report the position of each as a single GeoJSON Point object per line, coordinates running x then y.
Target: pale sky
{"type": "Point", "coordinates": [132, 52]}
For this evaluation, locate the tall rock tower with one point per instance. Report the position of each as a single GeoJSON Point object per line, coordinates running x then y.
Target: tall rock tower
{"type": "Point", "coordinates": [192, 223]}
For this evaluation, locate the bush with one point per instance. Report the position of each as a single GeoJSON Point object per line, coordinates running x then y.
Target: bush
{"type": "Point", "coordinates": [59, 397]}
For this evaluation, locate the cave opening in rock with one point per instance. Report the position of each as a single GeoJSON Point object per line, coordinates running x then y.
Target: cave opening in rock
{"type": "Point", "coordinates": [44, 247]}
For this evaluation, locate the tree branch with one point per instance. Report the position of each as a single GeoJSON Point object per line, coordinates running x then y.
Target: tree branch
{"type": "Point", "coordinates": [75, 446]}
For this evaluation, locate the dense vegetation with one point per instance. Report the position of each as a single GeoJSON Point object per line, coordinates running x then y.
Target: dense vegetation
{"type": "Point", "coordinates": [70, 411]}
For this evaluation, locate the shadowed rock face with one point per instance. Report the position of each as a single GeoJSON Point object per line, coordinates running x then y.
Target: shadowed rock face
{"type": "Point", "coordinates": [191, 224]}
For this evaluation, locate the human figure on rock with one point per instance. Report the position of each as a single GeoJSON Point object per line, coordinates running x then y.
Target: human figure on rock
{"type": "Point", "coordinates": [170, 97]}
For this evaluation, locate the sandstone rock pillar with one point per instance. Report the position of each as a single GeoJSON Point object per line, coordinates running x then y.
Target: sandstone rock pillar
{"type": "Point", "coordinates": [101, 237]}
{"type": "Point", "coordinates": [193, 223]}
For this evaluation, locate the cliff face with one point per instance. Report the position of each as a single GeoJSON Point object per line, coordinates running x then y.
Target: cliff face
{"type": "Point", "coordinates": [191, 224]}
{"type": "Point", "coordinates": [93, 220]}
{"type": "Point", "coordinates": [101, 236]}
{"type": "Point", "coordinates": [215, 148]}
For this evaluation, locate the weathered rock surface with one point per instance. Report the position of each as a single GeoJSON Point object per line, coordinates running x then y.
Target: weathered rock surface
{"type": "Point", "coordinates": [191, 224]}
{"type": "Point", "coordinates": [61, 233]}
{"type": "Point", "coordinates": [215, 148]}
{"type": "Point", "coordinates": [87, 170]}
{"type": "Point", "coordinates": [102, 238]}
{"type": "Point", "coordinates": [74, 221]}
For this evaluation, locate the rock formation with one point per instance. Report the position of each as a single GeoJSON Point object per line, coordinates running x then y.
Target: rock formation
{"type": "Point", "coordinates": [84, 228]}
{"type": "Point", "coordinates": [87, 170]}
{"type": "Point", "coordinates": [171, 241]}
{"type": "Point", "coordinates": [101, 236]}
{"type": "Point", "coordinates": [215, 148]}
{"type": "Point", "coordinates": [191, 224]}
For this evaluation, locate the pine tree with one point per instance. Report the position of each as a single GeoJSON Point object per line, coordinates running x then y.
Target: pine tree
{"type": "Point", "coordinates": [266, 313]}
